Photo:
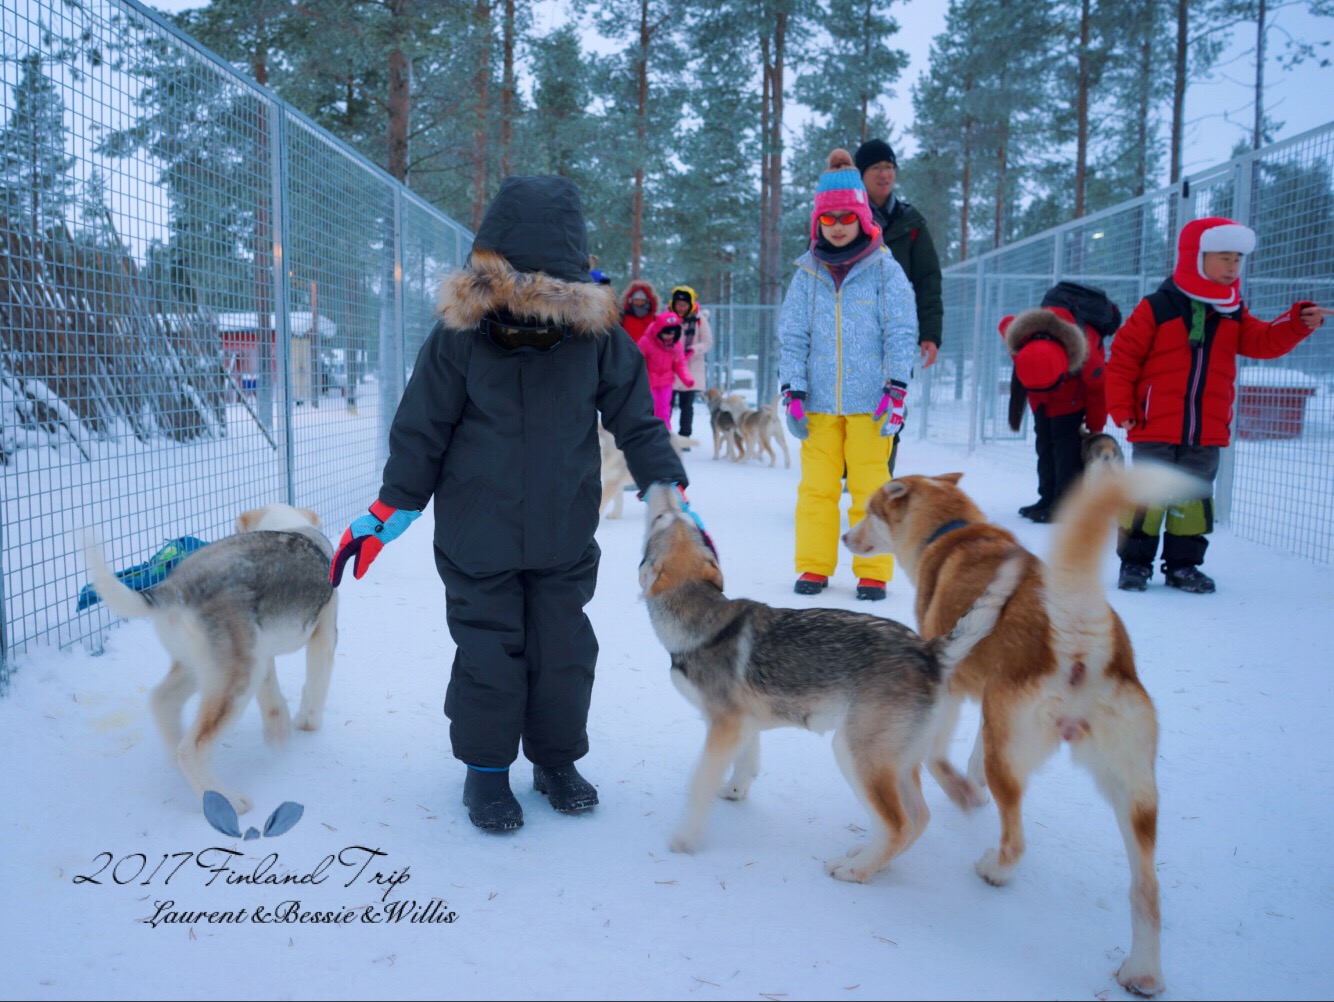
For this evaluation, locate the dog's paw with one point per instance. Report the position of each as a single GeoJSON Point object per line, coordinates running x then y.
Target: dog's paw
{"type": "Point", "coordinates": [686, 841]}
{"type": "Point", "coordinates": [843, 868]}
{"type": "Point", "coordinates": [239, 801]}
{"type": "Point", "coordinates": [277, 726]}
{"type": "Point", "coordinates": [733, 791]}
{"type": "Point", "coordinates": [309, 720]}
{"type": "Point", "coordinates": [965, 793]}
{"type": "Point", "coordinates": [989, 868]}
{"type": "Point", "coordinates": [1139, 978]}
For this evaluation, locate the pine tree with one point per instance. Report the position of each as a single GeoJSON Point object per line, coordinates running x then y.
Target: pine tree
{"type": "Point", "coordinates": [36, 187]}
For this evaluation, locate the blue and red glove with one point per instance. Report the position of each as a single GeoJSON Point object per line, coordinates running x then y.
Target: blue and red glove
{"type": "Point", "coordinates": [796, 413]}
{"type": "Point", "coordinates": [896, 396]}
{"type": "Point", "coordinates": [365, 538]}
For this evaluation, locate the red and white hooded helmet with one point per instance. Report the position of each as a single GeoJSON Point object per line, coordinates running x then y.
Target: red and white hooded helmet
{"type": "Point", "coordinates": [1212, 233]}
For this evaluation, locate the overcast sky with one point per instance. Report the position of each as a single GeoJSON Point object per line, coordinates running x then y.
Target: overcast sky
{"type": "Point", "coordinates": [1218, 109]}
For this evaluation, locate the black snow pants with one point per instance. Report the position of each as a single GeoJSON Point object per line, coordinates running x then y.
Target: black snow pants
{"type": "Point", "coordinates": [523, 670]}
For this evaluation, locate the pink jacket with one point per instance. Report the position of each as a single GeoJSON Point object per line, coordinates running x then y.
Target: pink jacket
{"type": "Point", "coordinates": [664, 361]}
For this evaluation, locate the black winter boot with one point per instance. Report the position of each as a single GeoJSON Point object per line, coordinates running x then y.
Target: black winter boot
{"type": "Point", "coordinates": [568, 791]}
{"type": "Point", "coordinates": [1027, 510]}
{"type": "Point", "coordinates": [1134, 577]}
{"type": "Point", "coordinates": [490, 801]}
{"type": "Point", "coordinates": [1189, 579]}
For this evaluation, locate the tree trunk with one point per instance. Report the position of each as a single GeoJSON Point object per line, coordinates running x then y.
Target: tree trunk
{"type": "Point", "coordinates": [1144, 96]}
{"type": "Point", "coordinates": [507, 94]}
{"type": "Point", "coordinates": [641, 135]}
{"type": "Point", "coordinates": [1257, 136]}
{"type": "Point", "coordinates": [1002, 162]}
{"type": "Point", "coordinates": [1179, 88]}
{"type": "Point", "coordinates": [480, 82]}
{"type": "Point", "coordinates": [771, 283]}
{"type": "Point", "coordinates": [966, 185]}
{"type": "Point", "coordinates": [866, 61]}
{"type": "Point", "coordinates": [1082, 111]}
{"type": "Point", "coordinates": [766, 189]}
{"type": "Point", "coordinates": [400, 91]}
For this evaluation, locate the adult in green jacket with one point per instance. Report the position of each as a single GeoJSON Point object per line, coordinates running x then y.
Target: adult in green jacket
{"type": "Point", "coordinates": [905, 233]}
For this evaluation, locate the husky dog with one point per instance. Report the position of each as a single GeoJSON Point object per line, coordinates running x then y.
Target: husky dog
{"type": "Point", "coordinates": [726, 435]}
{"type": "Point", "coordinates": [1057, 668]}
{"type": "Point", "coordinates": [1100, 452]}
{"type": "Point", "coordinates": [762, 427]}
{"type": "Point", "coordinates": [616, 476]}
{"type": "Point", "coordinates": [223, 615]}
{"type": "Point", "coordinates": [748, 667]}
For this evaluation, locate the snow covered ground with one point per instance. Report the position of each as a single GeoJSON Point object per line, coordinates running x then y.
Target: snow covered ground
{"type": "Point", "coordinates": [102, 831]}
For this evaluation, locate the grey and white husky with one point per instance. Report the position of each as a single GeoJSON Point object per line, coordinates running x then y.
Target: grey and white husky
{"type": "Point", "coordinates": [223, 615]}
{"type": "Point", "coordinates": [748, 667]}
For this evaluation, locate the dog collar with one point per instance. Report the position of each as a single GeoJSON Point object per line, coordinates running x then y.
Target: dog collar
{"type": "Point", "coordinates": [948, 527]}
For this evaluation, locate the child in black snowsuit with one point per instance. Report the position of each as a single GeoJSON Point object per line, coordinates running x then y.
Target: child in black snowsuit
{"type": "Point", "coordinates": [499, 424]}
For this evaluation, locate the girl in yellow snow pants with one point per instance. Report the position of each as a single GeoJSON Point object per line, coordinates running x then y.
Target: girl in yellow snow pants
{"type": "Point", "coordinates": [838, 442]}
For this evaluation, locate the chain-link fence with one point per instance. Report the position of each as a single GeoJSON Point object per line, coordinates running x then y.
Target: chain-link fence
{"type": "Point", "coordinates": [206, 304]}
{"type": "Point", "coordinates": [1276, 484]}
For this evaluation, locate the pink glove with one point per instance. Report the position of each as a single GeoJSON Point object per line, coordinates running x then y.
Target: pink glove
{"type": "Point", "coordinates": [896, 395]}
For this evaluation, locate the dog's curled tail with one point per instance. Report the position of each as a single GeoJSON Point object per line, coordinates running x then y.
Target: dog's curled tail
{"type": "Point", "coordinates": [1088, 512]}
{"type": "Point", "coordinates": [120, 599]}
{"type": "Point", "coordinates": [974, 625]}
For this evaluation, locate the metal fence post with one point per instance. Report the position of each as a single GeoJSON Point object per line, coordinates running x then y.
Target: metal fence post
{"type": "Point", "coordinates": [975, 402]}
{"type": "Point", "coordinates": [1225, 484]}
{"type": "Point", "coordinates": [282, 321]}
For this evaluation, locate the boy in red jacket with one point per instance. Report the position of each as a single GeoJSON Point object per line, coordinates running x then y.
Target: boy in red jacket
{"type": "Point", "coordinates": [1170, 385]}
{"type": "Point", "coordinates": [1058, 368]}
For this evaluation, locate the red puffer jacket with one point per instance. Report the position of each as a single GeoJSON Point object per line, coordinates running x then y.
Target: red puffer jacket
{"type": "Point", "coordinates": [1181, 393]}
{"type": "Point", "coordinates": [1060, 368]}
{"type": "Point", "coordinates": [635, 326]}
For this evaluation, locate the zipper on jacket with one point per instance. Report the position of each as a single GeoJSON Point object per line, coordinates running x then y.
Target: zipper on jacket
{"type": "Point", "coordinates": [1192, 398]}
{"type": "Point", "coordinates": [838, 348]}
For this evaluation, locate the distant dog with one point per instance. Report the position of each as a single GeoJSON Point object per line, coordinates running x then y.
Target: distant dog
{"type": "Point", "coordinates": [223, 615]}
{"type": "Point", "coordinates": [616, 473]}
{"type": "Point", "coordinates": [748, 667]}
{"type": "Point", "coordinates": [726, 436]}
{"type": "Point", "coordinates": [761, 427]}
{"type": "Point", "coordinates": [1100, 452]}
{"type": "Point", "coordinates": [1057, 668]}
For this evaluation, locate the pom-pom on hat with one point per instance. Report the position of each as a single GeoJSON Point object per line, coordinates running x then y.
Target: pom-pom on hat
{"type": "Point", "coordinates": [841, 190]}
{"type": "Point", "coordinates": [1198, 237]}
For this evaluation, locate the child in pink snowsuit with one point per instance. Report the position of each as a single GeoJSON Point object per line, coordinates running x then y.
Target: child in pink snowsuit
{"type": "Point", "coordinates": [666, 357]}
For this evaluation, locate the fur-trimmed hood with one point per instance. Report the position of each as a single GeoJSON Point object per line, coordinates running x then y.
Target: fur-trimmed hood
{"type": "Point", "coordinates": [490, 284]}
{"type": "Point", "coordinates": [1055, 323]}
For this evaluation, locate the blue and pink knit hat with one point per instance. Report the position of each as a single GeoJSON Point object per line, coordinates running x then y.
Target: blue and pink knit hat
{"type": "Point", "coordinates": [841, 190]}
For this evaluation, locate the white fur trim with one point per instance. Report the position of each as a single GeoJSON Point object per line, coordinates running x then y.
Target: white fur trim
{"type": "Point", "coordinates": [1233, 237]}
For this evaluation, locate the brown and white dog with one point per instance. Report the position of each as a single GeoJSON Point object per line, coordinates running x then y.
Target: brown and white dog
{"type": "Point", "coordinates": [616, 476]}
{"type": "Point", "coordinates": [722, 422]}
{"type": "Point", "coordinates": [1100, 452]}
{"type": "Point", "coordinates": [1058, 667]}
{"type": "Point", "coordinates": [762, 427]}
{"type": "Point", "coordinates": [749, 667]}
{"type": "Point", "coordinates": [223, 615]}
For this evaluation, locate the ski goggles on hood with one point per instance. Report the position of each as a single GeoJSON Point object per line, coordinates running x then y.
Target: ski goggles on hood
{"type": "Point", "coordinates": [844, 218]}
{"type": "Point", "coordinates": [512, 337]}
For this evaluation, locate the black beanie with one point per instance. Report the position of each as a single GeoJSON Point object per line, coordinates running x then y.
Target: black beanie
{"type": "Point", "coordinates": [872, 152]}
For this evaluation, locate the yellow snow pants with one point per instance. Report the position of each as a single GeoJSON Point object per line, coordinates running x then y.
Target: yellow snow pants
{"type": "Point", "coordinates": [838, 442]}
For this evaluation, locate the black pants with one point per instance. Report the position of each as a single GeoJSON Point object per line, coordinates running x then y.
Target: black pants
{"type": "Point", "coordinates": [1186, 525]}
{"type": "Point", "coordinates": [685, 399]}
{"type": "Point", "coordinates": [1059, 462]}
{"type": "Point", "coordinates": [523, 670]}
